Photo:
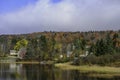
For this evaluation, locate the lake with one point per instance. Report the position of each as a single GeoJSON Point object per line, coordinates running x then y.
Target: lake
{"type": "Point", "coordinates": [45, 72]}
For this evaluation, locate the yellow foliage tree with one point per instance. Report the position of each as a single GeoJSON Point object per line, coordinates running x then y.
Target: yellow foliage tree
{"type": "Point", "coordinates": [20, 44]}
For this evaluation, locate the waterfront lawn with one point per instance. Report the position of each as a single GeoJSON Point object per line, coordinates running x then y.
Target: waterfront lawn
{"type": "Point", "coordinates": [89, 68]}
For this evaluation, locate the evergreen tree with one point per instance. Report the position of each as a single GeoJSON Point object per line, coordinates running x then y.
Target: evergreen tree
{"type": "Point", "coordinates": [51, 46]}
{"type": "Point", "coordinates": [30, 51]}
{"type": "Point", "coordinates": [109, 45]}
{"type": "Point", "coordinates": [100, 47]}
{"type": "Point", "coordinates": [92, 49]}
{"type": "Point", "coordinates": [43, 46]}
{"type": "Point", "coordinates": [116, 42]}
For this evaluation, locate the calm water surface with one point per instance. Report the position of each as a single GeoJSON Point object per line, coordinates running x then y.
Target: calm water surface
{"type": "Point", "coordinates": [43, 72]}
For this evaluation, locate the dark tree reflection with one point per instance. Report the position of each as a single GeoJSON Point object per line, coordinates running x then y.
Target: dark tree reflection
{"type": "Point", "coordinates": [45, 72]}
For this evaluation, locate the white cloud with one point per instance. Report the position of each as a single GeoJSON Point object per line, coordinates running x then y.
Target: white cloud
{"type": "Point", "coordinates": [67, 15]}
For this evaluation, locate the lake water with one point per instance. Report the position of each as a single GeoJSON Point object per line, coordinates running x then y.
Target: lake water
{"type": "Point", "coordinates": [44, 72]}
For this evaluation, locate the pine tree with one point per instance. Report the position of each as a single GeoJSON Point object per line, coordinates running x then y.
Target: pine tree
{"type": "Point", "coordinates": [100, 47]}
{"type": "Point", "coordinates": [109, 45]}
{"type": "Point", "coordinates": [92, 49]}
{"type": "Point", "coordinates": [116, 42]}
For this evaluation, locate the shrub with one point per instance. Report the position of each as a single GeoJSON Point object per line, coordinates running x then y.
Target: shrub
{"type": "Point", "coordinates": [76, 61]}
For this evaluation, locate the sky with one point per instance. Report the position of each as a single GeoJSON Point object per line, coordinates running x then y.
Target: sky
{"type": "Point", "coordinates": [27, 16]}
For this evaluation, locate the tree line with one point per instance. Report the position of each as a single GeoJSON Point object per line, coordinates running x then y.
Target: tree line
{"type": "Point", "coordinates": [49, 45]}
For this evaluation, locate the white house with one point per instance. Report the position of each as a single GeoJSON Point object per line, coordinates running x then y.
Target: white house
{"type": "Point", "coordinates": [20, 54]}
{"type": "Point", "coordinates": [84, 55]}
{"type": "Point", "coordinates": [13, 53]}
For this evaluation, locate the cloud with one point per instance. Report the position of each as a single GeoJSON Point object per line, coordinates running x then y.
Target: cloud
{"type": "Point", "coordinates": [65, 15]}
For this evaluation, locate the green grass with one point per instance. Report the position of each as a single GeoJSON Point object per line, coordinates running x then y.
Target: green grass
{"type": "Point", "coordinates": [87, 68]}
{"type": "Point", "coordinates": [23, 62]}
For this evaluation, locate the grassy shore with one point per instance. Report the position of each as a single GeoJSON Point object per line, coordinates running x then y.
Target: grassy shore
{"type": "Point", "coordinates": [92, 68]}
{"type": "Point", "coordinates": [23, 62]}
{"type": "Point", "coordinates": [30, 62]}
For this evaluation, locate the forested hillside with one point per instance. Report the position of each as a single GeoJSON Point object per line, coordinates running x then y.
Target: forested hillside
{"type": "Point", "coordinates": [47, 45]}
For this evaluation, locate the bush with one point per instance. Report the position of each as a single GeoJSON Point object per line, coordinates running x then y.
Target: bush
{"type": "Point", "coordinates": [76, 61]}
{"type": "Point", "coordinates": [62, 60]}
{"type": "Point", "coordinates": [90, 59]}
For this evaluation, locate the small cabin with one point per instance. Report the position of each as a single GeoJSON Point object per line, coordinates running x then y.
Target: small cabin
{"type": "Point", "coordinates": [85, 54]}
{"type": "Point", "coordinates": [13, 53]}
{"type": "Point", "coordinates": [20, 54]}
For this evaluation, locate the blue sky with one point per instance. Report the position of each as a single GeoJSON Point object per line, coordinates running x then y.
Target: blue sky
{"type": "Point", "coordinates": [25, 16]}
{"type": "Point", "coordinates": [13, 5]}
{"type": "Point", "coordinates": [56, 1]}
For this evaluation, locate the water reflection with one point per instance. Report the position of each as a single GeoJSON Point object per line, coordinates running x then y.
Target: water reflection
{"type": "Point", "coordinates": [43, 72]}
{"type": "Point", "coordinates": [39, 72]}
{"type": "Point", "coordinates": [12, 72]}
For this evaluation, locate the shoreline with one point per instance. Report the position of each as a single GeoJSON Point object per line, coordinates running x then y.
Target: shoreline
{"type": "Point", "coordinates": [96, 70]}
{"type": "Point", "coordinates": [68, 66]}
{"type": "Point", "coordinates": [29, 62]}
{"type": "Point", "coordinates": [87, 68]}
{"type": "Point", "coordinates": [23, 62]}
